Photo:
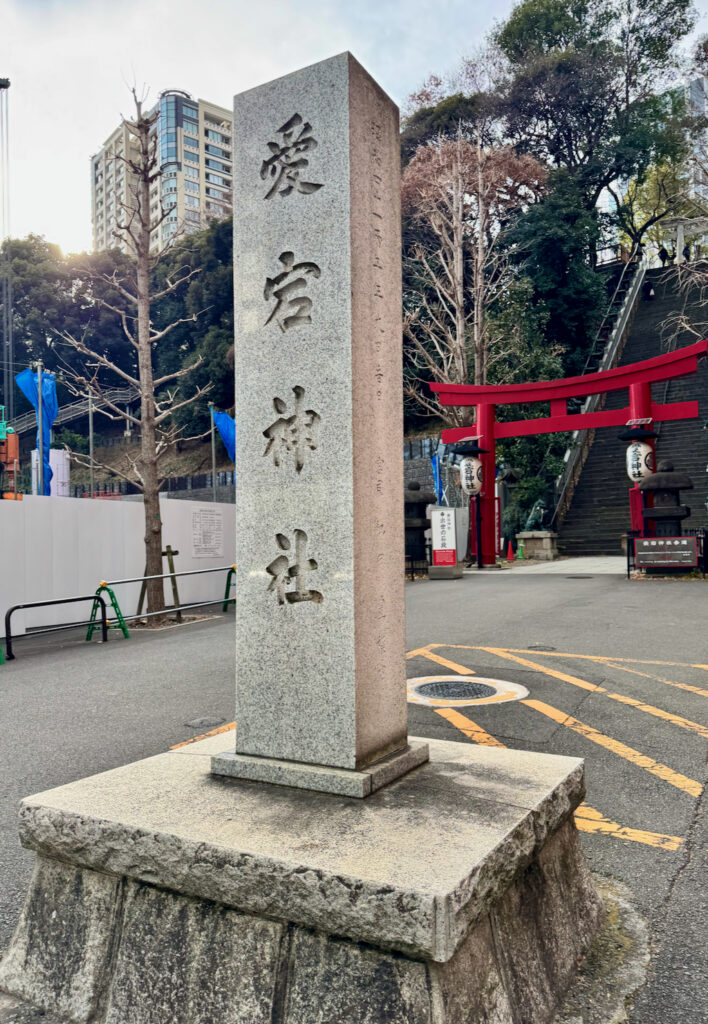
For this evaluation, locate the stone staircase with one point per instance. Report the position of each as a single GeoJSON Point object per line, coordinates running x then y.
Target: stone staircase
{"type": "Point", "coordinates": [598, 516]}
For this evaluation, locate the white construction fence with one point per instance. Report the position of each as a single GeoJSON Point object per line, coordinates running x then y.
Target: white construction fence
{"type": "Point", "coordinates": [53, 548]}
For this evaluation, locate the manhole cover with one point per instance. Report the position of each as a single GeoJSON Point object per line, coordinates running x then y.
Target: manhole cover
{"type": "Point", "coordinates": [579, 577]}
{"type": "Point", "coordinates": [456, 690]}
{"type": "Point", "coordinates": [541, 647]}
{"type": "Point", "coordinates": [205, 723]}
{"type": "Point", "coordinates": [462, 691]}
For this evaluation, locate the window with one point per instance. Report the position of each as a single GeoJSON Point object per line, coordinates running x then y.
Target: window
{"type": "Point", "coordinates": [217, 180]}
{"type": "Point", "coordinates": [191, 143]}
{"type": "Point", "coordinates": [215, 151]}
{"type": "Point", "coordinates": [191, 157]}
{"type": "Point", "coordinates": [192, 172]}
{"type": "Point", "coordinates": [188, 111]}
{"type": "Point", "coordinates": [191, 201]}
{"type": "Point", "coordinates": [218, 166]}
{"type": "Point", "coordinates": [215, 193]}
{"type": "Point", "coordinates": [189, 128]}
{"type": "Point", "coordinates": [217, 137]}
{"type": "Point", "coordinates": [192, 186]}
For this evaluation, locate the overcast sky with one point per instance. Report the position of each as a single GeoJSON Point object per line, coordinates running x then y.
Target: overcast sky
{"type": "Point", "coordinates": [71, 63]}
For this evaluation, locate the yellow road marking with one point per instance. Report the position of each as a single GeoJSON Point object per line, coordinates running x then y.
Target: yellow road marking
{"type": "Point", "coordinates": [419, 650]}
{"type": "Point", "coordinates": [589, 820]}
{"type": "Point", "coordinates": [205, 735]}
{"type": "Point", "coordinates": [668, 682]}
{"type": "Point", "coordinates": [554, 673]}
{"type": "Point", "coordinates": [684, 723]}
{"type": "Point", "coordinates": [662, 771]}
{"type": "Point", "coordinates": [567, 654]}
{"type": "Point", "coordinates": [469, 728]}
{"type": "Point", "coordinates": [423, 652]}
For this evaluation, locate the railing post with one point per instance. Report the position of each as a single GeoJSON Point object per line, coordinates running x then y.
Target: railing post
{"type": "Point", "coordinates": [104, 621]}
{"type": "Point", "coordinates": [8, 636]}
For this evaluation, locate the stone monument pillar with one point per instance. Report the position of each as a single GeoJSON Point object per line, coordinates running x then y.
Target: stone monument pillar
{"type": "Point", "coordinates": [321, 688]}
{"type": "Point", "coordinates": [165, 892]}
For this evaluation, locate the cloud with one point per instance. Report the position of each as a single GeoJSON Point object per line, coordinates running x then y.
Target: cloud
{"type": "Point", "coordinates": [71, 63]}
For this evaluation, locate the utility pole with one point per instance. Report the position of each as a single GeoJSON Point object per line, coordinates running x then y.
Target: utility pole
{"type": "Point", "coordinates": [90, 411]}
{"type": "Point", "coordinates": [40, 427]}
{"type": "Point", "coordinates": [213, 452]}
{"type": "Point", "coordinates": [8, 348]}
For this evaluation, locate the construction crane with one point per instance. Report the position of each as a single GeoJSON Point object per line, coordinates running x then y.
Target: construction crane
{"type": "Point", "coordinates": [9, 459]}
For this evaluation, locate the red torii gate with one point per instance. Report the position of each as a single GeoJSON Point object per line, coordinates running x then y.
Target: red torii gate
{"type": "Point", "coordinates": [637, 378]}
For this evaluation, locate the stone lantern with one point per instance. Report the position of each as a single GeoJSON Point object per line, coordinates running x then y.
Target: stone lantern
{"type": "Point", "coordinates": [668, 513]}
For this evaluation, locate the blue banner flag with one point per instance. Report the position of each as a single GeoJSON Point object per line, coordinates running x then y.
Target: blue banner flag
{"type": "Point", "coordinates": [27, 383]}
{"type": "Point", "coordinates": [226, 426]}
{"type": "Point", "coordinates": [435, 459]}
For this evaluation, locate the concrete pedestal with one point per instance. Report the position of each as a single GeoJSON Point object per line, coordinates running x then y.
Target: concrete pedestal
{"type": "Point", "coordinates": [458, 894]}
{"type": "Point", "coordinates": [540, 544]}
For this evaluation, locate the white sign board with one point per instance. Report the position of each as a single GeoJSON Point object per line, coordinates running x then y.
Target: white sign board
{"type": "Point", "coordinates": [442, 521]}
{"type": "Point", "coordinates": [207, 532]}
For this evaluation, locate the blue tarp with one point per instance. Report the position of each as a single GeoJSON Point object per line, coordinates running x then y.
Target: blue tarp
{"type": "Point", "coordinates": [435, 459]}
{"type": "Point", "coordinates": [226, 426]}
{"type": "Point", "coordinates": [27, 383]}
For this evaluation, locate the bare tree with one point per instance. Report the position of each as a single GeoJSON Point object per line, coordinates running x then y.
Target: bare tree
{"type": "Point", "coordinates": [642, 205]}
{"type": "Point", "coordinates": [458, 195]}
{"type": "Point", "coordinates": [130, 296]}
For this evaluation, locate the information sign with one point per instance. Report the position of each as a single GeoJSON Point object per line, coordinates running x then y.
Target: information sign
{"type": "Point", "coordinates": [207, 532]}
{"type": "Point", "coordinates": [442, 521]}
{"type": "Point", "coordinates": [656, 552]}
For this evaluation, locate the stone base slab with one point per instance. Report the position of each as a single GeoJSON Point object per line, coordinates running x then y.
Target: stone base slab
{"type": "Point", "coordinates": [445, 572]}
{"type": "Point", "coordinates": [320, 777]}
{"type": "Point", "coordinates": [539, 544]}
{"type": "Point", "coordinates": [456, 895]}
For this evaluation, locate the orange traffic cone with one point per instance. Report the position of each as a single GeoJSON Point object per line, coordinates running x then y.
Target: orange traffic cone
{"type": "Point", "coordinates": [510, 553]}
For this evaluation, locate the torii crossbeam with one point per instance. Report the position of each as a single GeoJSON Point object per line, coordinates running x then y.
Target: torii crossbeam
{"type": "Point", "coordinates": [637, 378]}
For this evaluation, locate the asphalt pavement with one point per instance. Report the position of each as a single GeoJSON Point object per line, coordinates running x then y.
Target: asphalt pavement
{"type": "Point", "coordinates": [612, 670]}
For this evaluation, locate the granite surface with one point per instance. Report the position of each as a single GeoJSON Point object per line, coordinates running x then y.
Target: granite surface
{"type": "Point", "coordinates": [195, 961]}
{"type": "Point", "coordinates": [59, 954]}
{"type": "Point", "coordinates": [343, 781]}
{"type": "Point", "coordinates": [173, 959]}
{"type": "Point", "coordinates": [320, 616]}
{"type": "Point", "coordinates": [412, 868]}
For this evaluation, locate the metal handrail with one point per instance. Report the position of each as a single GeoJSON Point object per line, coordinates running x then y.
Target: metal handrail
{"type": "Point", "coordinates": [28, 420]}
{"type": "Point", "coordinates": [574, 452]}
{"type": "Point", "coordinates": [166, 575]}
{"type": "Point", "coordinates": [53, 629]}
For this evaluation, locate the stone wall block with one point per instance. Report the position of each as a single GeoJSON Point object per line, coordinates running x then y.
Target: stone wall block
{"type": "Point", "coordinates": [469, 988]}
{"type": "Point", "coordinates": [188, 961]}
{"type": "Point", "coordinates": [60, 952]}
{"type": "Point", "coordinates": [543, 925]}
{"type": "Point", "coordinates": [337, 982]}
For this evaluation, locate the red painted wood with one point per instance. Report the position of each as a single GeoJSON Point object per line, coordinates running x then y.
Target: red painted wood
{"type": "Point", "coordinates": [559, 407]}
{"type": "Point", "coordinates": [665, 367]}
{"type": "Point", "coordinates": [635, 509]}
{"type": "Point", "coordinates": [487, 432]}
{"type": "Point", "coordinates": [579, 421]}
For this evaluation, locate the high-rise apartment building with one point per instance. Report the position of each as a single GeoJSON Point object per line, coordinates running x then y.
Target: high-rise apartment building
{"type": "Point", "coordinates": [194, 147]}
